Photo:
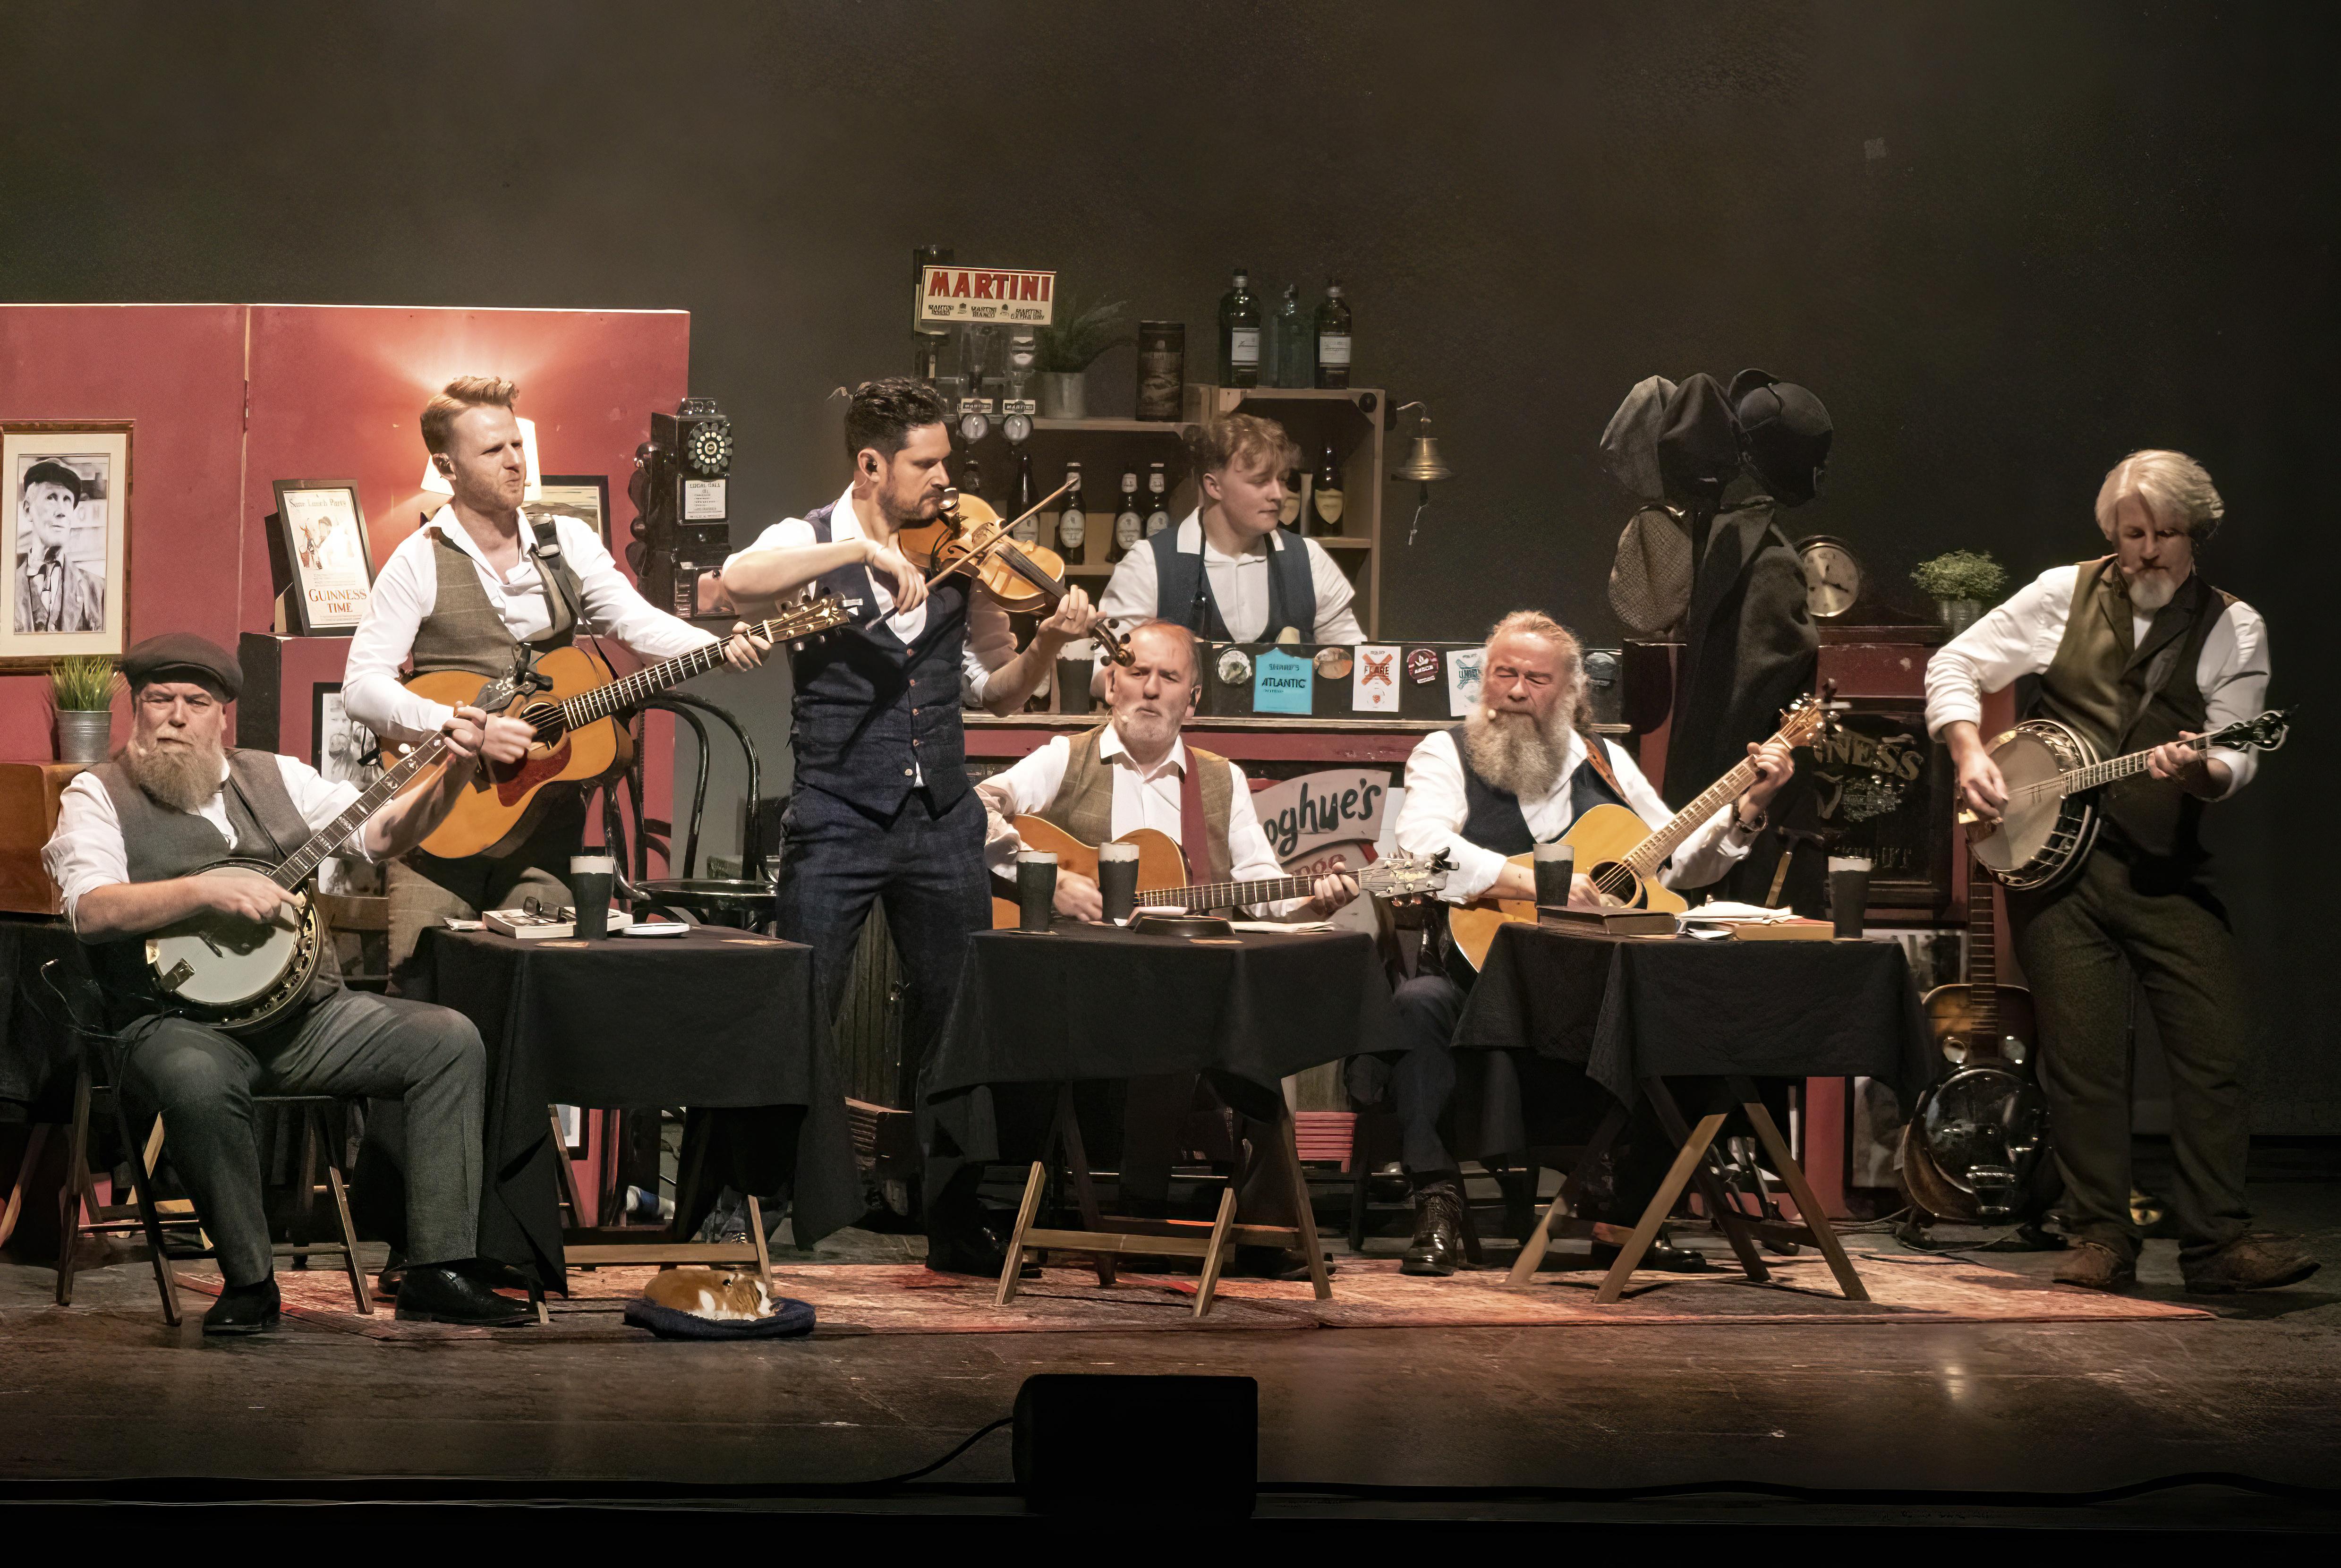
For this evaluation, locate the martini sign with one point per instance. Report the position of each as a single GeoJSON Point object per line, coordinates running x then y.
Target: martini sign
{"type": "Point", "coordinates": [949, 296]}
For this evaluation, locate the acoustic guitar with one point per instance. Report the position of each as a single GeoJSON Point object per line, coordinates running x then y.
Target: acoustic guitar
{"type": "Point", "coordinates": [1162, 873]}
{"type": "Point", "coordinates": [1981, 1019]}
{"type": "Point", "coordinates": [1619, 852]}
{"type": "Point", "coordinates": [578, 740]}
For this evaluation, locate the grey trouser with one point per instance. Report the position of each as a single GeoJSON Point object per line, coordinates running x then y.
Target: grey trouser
{"type": "Point", "coordinates": [2072, 942]}
{"type": "Point", "coordinates": [425, 889]}
{"type": "Point", "coordinates": [203, 1081]}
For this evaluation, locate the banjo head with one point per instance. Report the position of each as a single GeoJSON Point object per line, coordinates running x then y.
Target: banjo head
{"type": "Point", "coordinates": [226, 966]}
{"type": "Point", "coordinates": [2040, 838]}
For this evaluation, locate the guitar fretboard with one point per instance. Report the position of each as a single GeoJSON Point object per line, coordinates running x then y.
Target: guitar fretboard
{"type": "Point", "coordinates": [1983, 957]}
{"type": "Point", "coordinates": [1645, 858]}
{"type": "Point", "coordinates": [631, 690]}
{"type": "Point", "coordinates": [322, 844]}
{"type": "Point", "coordinates": [1224, 894]}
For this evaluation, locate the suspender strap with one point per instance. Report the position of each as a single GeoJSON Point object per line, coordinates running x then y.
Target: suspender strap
{"type": "Point", "coordinates": [1598, 757]}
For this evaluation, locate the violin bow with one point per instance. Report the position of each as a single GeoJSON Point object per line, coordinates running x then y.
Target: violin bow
{"type": "Point", "coordinates": [999, 527]}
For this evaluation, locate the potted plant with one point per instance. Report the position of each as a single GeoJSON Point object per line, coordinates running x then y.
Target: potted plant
{"type": "Point", "coordinates": [1962, 582]}
{"type": "Point", "coordinates": [1064, 351]}
{"type": "Point", "coordinates": [81, 686]}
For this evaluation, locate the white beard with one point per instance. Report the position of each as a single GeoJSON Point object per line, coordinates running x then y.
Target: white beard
{"type": "Point", "coordinates": [2149, 590]}
{"type": "Point", "coordinates": [1518, 755]}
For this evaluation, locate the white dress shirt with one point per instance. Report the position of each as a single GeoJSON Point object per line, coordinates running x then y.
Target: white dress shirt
{"type": "Point", "coordinates": [990, 640]}
{"type": "Point", "coordinates": [408, 590]}
{"type": "Point", "coordinates": [1239, 586]}
{"type": "Point", "coordinates": [86, 851]}
{"type": "Point", "coordinates": [1435, 808]}
{"type": "Point", "coordinates": [2021, 636]}
{"type": "Point", "coordinates": [1143, 797]}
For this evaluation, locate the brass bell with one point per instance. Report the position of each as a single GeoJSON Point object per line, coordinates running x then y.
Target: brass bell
{"type": "Point", "coordinates": [1422, 462]}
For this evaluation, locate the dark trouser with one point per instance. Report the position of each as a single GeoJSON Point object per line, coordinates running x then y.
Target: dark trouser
{"type": "Point", "coordinates": [1155, 1114]}
{"type": "Point", "coordinates": [927, 867]}
{"type": "Point", "coordinates": [203, 1081]}
{"type": "Point", "coordinates": [425, 889]}
{"type": "Point", "coordinates": [2174, 936]}
{"type": "Point", "coordinates": [1420, 1084]}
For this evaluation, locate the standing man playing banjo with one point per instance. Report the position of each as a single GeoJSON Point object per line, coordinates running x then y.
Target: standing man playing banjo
{"type": "Point", "coordinates": [2134, 650]}
{"type": "Point", "coordinates": [131, 836]}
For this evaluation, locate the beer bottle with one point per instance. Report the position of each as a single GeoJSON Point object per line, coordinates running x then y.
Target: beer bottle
{"type": "Point", "coordinates": [1129, 525]}
{"type": "Point", "coordinates": [1158, 502]}
{"type": "Point", "coordinates": [1027, 494]}
{"type": "Point", "coordinates": [1325, 500]}
{"type": "Point", "coordinates": [1333, 338]}
{"type": "Point", "coordinates": [1072, 526]}
{"type": "Point", "coordinates": [1240, 334]}
{"type": "Point", "coordinates": [1288, 514]}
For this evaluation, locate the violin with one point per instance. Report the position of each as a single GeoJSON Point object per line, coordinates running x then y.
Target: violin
{"type": "Point", "coordinates": [969, 538]}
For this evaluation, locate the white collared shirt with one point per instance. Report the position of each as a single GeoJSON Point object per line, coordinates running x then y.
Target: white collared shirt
{"type": "Point", "coordinates": [990, 640]}
{"type": "Point", "coordinates": [1143, 797]}
{"type": "Point", "coordinates": [1435, 808]}
{"type": "Point", "coordinates": [87, 850]}
{"type": "Point", "coordinates": [1239, 586]}
{"type": "Point", "coordinates": [408, 590]}
{"type": "Point", "coordinates": [2021, 637]}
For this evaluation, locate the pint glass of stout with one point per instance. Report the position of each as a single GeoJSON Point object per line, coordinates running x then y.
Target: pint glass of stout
{"type": "Point", "coordinates": [1036, 889]}
{"type": "Point", "coordinates": [1848, 877]}
{"type": "Point", "coordinates": [590, 879]}
{"type": "Point", "coordinates": [1118, 879]}
{"type": "Point", "coordinates": [1556, 868]}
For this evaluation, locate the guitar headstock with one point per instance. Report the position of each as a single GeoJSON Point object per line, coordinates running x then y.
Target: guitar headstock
{"type": "Point", "coordinates": [2264, 733]}
{"type": "Point", "coordinates": [1810, 716]}
{"type": "Point", "coordinates": [1405, 876]}
{"type": "Point", "coordinates": [823, 615]}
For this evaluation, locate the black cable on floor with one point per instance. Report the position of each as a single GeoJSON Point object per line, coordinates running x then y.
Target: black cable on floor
{"type": "Point", "coordinates": [978, 1435]}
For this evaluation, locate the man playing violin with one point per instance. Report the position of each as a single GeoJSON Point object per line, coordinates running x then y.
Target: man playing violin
{"type": "Point", "coordinates": [2132, 650]}
{"type": "Point", "coordinates": [882, 808]}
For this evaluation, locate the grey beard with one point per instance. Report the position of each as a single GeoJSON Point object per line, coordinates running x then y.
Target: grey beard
{"type": "Point", "coordinates": [2150, 592]}
{"type": "Point", "coordinates": [1521, 757]}
{"type": "Point", "coordinates": [184, 779]}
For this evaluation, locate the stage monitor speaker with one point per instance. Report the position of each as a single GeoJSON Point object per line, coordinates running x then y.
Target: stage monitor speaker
{"type": "Point", "coordinates": [1172, 1445]}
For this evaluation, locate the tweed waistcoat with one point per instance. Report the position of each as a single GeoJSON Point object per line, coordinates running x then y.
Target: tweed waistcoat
{"type": "Point", "coordinates": [1084, 803]}
{"type": "Point", "coordinates": [464, 631]}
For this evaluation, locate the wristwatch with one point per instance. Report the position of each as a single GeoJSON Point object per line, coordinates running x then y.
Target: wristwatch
{"type": "Point", "coordinates": [1747, 829]}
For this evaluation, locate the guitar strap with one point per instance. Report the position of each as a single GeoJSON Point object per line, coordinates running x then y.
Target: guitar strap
{"type": "Point", "coordinates": [1598, 755]}
{"type": "Point", "coordinates": [560, 581]}
{"type": "Point", "coordinates": [1194, 826]}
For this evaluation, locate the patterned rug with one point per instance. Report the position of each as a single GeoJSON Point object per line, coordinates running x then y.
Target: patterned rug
{"type": "Point", "coordinates": [888, 1298]}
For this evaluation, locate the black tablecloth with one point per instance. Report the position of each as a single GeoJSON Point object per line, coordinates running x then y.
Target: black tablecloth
{"type": "Point", "coordinates": [37, 1053]}
{"type": "Point", "coordinates": [1084, 1003]}
{"type": "Point", "coordinates": [713, 1018]}
{"type": "Point", "coordinates": [1626, 1008]}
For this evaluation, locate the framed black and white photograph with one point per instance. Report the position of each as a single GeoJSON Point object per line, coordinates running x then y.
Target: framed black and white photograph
{"type": "Point", "coordinates": [322, 528]}
{"type": "Point", "coordinates": [584, 496]}
{"type": "Point", "coordinates": [343, 751]}
{"type": "Point", "coordinates": [67, 539]}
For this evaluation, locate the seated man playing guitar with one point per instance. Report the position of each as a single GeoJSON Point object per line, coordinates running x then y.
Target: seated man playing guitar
{"type": "Point", "coordinates": [134, 838]}
{"type": "Point", "coordinates": [471, 590]}
{"type": "Point", "coordinates": [2134, 650]}
{"type": "Point", "coordinates": [1517, 773]}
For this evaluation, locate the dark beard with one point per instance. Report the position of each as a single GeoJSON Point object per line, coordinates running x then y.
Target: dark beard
{"type": "Point", "coordinates": [1520, 756]}
{"type": "Point", "coordinates": [181, 777]}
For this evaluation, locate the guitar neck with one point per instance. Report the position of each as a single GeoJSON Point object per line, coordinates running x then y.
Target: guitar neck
{"type": "Point", "coordinates": [322, 844]}
{"type": "Point", "coordinates": [1224, 894]}
{"type": "Point", "coordinates": [1983, 955]}
{"type": "Point", "coordinates": [632, 691]}
{"type": "Point", "coordinates": [1652, 853]}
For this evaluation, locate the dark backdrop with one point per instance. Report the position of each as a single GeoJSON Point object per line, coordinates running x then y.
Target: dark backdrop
{"type": "Point", "coordinates": [2006, 243]}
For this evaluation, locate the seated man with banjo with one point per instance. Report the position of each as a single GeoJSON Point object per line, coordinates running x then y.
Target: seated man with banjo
{"type": "Point", "coordinates": [2137, 655]}
{"type": "Point", "coordinates": [182, 861]}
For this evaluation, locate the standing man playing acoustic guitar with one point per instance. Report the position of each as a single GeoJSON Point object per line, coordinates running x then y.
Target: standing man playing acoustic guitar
{"type": "Point", "coordinates": [2132, 650]}
{"type": "Point", "coordinates": [882, 808]}
{"type": "Point", "coordinates": [131, 836]}
{"type": "Point", "coordinates": [1516, 773]}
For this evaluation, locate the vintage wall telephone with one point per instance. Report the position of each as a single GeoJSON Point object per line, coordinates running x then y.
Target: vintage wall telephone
{"type": "Point", "coordinates": [682, 523]}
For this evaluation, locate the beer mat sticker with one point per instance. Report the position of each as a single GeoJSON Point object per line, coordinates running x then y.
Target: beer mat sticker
{"type": "Point", "coordinates": [1466, 671]}
{"type": "Point", "coordinates": [1282, 683]}
{"type": "Point", "coordinates": [1422, 665]}
{"type": "Point", "coordinates": [1235, 667]}
{"type": "Point", "coordinates": [1332, 663]}
{"type": "Point", "coordinates": [1373, 688]}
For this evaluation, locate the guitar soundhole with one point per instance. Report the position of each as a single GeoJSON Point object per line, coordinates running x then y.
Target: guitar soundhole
{"type": "Point", "coordinates": [1621, 889]}
{"type": "Point", "coordinates": [544, 718]}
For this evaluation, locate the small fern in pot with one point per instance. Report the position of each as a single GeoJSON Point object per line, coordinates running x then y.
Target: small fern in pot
{"type": "Point", "coordinates": [1963, 583]}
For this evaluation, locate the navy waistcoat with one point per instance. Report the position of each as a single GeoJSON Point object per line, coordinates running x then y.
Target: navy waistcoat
{"type": "Point", "coordinates": [1182, 590]}
{"type": "Point", "coordinates": [1493, 818]}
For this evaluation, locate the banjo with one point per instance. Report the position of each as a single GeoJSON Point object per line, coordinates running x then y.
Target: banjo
{"type": "Point", "coordinates": [2050, 770]}
{"type": "Point", "coordinates": [241, 975]}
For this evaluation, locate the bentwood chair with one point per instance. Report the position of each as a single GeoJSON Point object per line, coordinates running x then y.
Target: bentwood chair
{"type": "Point", "coordinates": [746, 901]}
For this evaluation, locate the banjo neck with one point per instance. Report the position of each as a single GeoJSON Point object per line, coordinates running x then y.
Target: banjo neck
{"type": "Point", "coordinates": [2107, 771]}
{"type": "Point", "coordinates": [304, 862]}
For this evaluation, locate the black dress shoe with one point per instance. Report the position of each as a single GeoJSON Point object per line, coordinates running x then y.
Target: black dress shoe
{"type": "Point", "coordinates": [494, 1274]}
{"type": "Point", "coordinates": [1662, 1256]}
{"type": "Point", "coordinates": [436, 1293]}
{"type": "Point", "coordinates": [246, 1309]}
{"type": "Point", "coordinates": [1437, 1245]}
{"type": "Point", "coordinates": [973, 1251]}
{"type": "Point", "coordinates": [1271, 1264]}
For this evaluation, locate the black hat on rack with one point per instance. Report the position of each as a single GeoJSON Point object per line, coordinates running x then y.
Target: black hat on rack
{"type": "Point", "coordinates": [1786, 432]}
{"type": "Point", "coordinates": [1698, 444]}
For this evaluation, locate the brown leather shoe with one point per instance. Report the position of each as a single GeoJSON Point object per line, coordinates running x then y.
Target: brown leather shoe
{"type": "Point", "coordinates": [2095, 1266]}
{"type": "Point", "coordinates": [2258, 1262]}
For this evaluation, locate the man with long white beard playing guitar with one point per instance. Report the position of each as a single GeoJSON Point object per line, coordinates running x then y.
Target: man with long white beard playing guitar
{"type": "Point", "coordinates": [1516, 773]}
{"type": "Point", "coordinates": [2134, 650]}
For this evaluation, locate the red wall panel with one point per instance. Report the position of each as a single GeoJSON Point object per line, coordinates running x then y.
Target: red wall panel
{"type": "Point", "coordinates": [178, 371]}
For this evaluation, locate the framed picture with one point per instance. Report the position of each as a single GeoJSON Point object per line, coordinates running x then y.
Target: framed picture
{"type": "Point", "coordinates": [67, 539]}
{"type": "Point", "coordinates": [343, 751]}
{"type": "Point", "coordinates": [584, 496]}
{"type": "Point", "coordinates": [323, 530]}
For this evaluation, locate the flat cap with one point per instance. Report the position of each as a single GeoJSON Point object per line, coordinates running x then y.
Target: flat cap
{"type": "Point", "coordinates": [184, 656]}
{"type": "Point", "coordinates": [49, 471]}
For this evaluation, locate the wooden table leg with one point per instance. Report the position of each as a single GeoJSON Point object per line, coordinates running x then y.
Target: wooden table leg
{"type": "Point", "coordinates": [1014, 1267]}
{"type": "Point", "coordinates": [349, 1239]}
{"type": "Point", "coordinates": [1216, 1257]}
{"type": "Point", "coordinates": [1304, 1217]}
{"type": "Point", "coordinates": [1645, 1231]}
{"type": "Point", "coordinates": [1564, 1202]}
{"type": "Point", "coordinates": [1735, 1226]}
{"type": "Point", "coordinates": [1065, 1133]}
{"type": "Point", "coordinates": [1808, 1208]}
{"type": "Point", "coordinates": [756, 1235]}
